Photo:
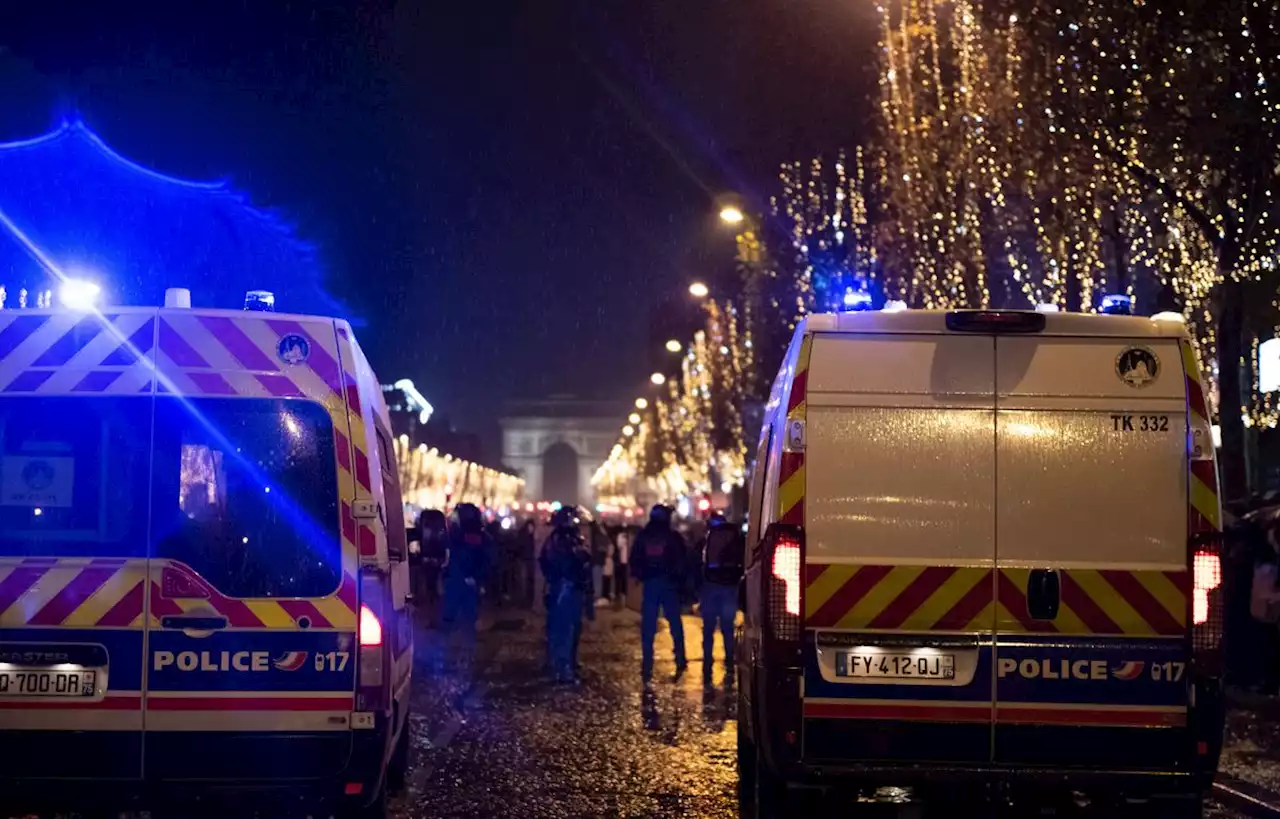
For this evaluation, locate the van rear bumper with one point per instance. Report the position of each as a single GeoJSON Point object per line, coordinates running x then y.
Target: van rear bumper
{"type": "Point", "coordinates": [308, 781]}
{"type": "Point", "coordinates": [1135, 783]}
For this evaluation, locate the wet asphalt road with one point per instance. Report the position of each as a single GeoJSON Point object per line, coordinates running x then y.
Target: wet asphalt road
{"type": "Point", "coordinates": [506, 742]}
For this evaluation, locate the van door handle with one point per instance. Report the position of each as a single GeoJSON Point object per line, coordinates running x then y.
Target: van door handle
{"type": "Point", "coordinates": [193, 622]}
{"type": "Point", "coordinates": [1044, 594]}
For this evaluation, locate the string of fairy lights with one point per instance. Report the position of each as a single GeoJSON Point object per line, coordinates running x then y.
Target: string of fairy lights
{"type": "Point", "coordinates": [1025, 154]}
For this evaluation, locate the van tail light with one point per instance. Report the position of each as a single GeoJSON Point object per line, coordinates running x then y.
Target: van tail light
{"type": "Point", "coordinates": [1207, 609]}
{"type": "Point", "coordinates": [784, 589]}
{"type": "Point", "coordinates": [372, 660]}
{"type": "Point", "coordinates": [782, 639]}
{"type": "Point", "coordinates": [370, 628]}
{"type": "Point", "coordinates": [1206, 577]}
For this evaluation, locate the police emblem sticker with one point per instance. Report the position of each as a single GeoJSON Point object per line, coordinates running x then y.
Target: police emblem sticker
{"type": "Point", "coordinates": [294, 349]}
{"type": "Point", "coordinates": [1138, 367]}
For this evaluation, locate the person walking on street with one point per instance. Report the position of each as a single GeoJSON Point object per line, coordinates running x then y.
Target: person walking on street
{"type": "Point", "coordinates": [526, 552]}
{"type": "Point", "coordinates": [658, 561]}
{"type": "Point", "coordinates": [606, 589]}
{"type": "Point", "coordinates": [566, 565]}
{"type": "Point", "coordinates": [623, 554]}
{"type": "Point", "coordinates": [466, 568]}
{"type": "Point", "coordinates": [595, 540]}
{"type": "Point", "coordinates": [717, 572]}
{"type": "Point", "coordinates": [433, 544]}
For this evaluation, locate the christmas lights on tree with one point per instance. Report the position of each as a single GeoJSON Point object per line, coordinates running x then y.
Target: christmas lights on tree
{"type": "Point", "coordinates": [689, 442]}
{"type": "Point", "coordinates": [824, 206]}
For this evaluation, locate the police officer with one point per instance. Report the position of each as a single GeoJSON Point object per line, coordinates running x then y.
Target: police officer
{"type": "Point", "coordinates": [466, 566]}
{"type": "Point", "coordinates": [718, 570]}
{"type": "Point", "coordinates": [566, 565]}
{"type": "Point", "coordinates": [658, 560]}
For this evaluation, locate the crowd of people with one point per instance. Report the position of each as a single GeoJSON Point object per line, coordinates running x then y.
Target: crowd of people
{"type": "Point", "coordinates": [569, 565]}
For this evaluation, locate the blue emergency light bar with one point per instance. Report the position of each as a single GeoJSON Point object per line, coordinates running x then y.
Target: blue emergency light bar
{"type": "Point", "coordinates": [1117, 304]}
{"type": "Point", "coordinates": [260, 301]}
{"type": "Point", "coordinates": [856, 299]}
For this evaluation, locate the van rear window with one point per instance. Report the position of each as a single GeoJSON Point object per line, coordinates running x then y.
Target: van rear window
{"type": "Point", "coordinates": [74, 476]}
{"type": "Point", "coordinates": [246, 494]}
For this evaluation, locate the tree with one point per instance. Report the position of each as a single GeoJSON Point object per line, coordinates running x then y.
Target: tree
{"type": "Point", "coordinates": [829, 246]}
{"type": "Point", "coordinates": [1181, 100]}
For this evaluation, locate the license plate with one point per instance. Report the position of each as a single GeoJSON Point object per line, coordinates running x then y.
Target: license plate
{"type": "Point", "coordinates": [894, 665]}
{"type": "Point", "coordinates": [20, 683]}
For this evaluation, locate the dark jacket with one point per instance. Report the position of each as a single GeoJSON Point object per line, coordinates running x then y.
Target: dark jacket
{"type": "Point", "coordinates": [658, 552]}
{"type": "Point", "coordinates": [565, 559]}
{"type": "Point", "coordinates": [468, 557]}
{"type": "Point", "coordinates": [719, 557]}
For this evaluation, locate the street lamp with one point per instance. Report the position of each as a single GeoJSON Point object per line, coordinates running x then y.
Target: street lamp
{"type": "Point", "coordinates": [698, 290]}
{"type": "Point", "coordinates": [634, 418]}
{"type": "Point", "coordinates": [732, 215]}
{"type": "Point", "coordinates": [628, 430]}
{"type": "Point", "coordinates": [658, 379]}
{"type": "Point", "coordinates": [673, 346]}
{"type": "Point", "coordinates": [642, 403]}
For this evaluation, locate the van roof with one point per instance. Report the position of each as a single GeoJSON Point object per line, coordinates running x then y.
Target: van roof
{"type": "Point", "coordinates": [934, 322]}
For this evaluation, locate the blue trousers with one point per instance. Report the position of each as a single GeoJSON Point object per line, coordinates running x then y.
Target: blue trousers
{"type": "Point", "coordinates": [564, 621]}
{"type": "Point", "coordinates": [660, 593]}
{"type": "Point", "coordinates": [719, 606]}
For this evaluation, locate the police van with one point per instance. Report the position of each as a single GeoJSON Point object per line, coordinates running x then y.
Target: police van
{"type": "Point", "coordinates": [202, 564]}
{"type": "Point", "coordinates": [984, 550]}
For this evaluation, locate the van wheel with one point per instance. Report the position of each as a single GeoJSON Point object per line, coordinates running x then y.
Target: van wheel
{"type": "Point", "coordinates": [398, 766]}
{"type": "Point", "coordinates": [771, 792]}
{"type": "Point", "coordinates": [761, 793]}
{"type": "Point", "coordinates": [746, 771]}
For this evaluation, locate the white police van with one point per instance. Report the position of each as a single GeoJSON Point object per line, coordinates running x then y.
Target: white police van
{"type": "Point", "coordinates": [203, 574]}
{"type": "Point", "coordinates": [984, 551]}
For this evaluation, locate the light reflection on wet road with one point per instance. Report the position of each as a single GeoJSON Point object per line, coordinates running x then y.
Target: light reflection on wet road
{"type": "Point", "coordinates": [511, 744]}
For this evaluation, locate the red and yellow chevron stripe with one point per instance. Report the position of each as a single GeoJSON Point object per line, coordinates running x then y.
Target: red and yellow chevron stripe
{"type": "Point", "coordinates": [72, 592]}
{"type": "Point", "coordinates": [971, 599]}
{"type": "Point", "coordinates": [1204, 506]}
{"type": "Point", "coordinates": [185, 353]}
{"type": "Point", "coordinates": [791, 474]}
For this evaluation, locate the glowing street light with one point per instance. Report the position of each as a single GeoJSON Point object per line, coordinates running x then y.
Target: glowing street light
{"type": "Point", "coordinates": [628, 430]}
{"type": "Point", "coordinates": [698, 290]}
{"type": "Point", "coordinates": [658, 379]}
{"type": "Point", "coordinates": [642, 403]}
{"type": "Point", "coordinates": [732, 215]}
{"type": "Point", "coordinates": [634, 417]}
{"type": "Point", "coordinates": [673, 346]}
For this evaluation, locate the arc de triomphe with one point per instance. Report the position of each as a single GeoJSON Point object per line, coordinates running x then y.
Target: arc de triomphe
{"type": "Point", "coordinates": [557, 444]}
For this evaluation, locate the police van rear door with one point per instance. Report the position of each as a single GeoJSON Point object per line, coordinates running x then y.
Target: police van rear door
{"type": "Point", "coordinates": [900, 546]}
{"type": "Point", "coordinates": [1091, 523]}
{"type": "Point", "coordinates": [75, 423]}
{"type": "Point", "coordinates": [251, 666]}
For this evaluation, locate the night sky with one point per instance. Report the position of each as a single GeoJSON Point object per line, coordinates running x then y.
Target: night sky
{"type": "Point", "coordinates": [500, 190]}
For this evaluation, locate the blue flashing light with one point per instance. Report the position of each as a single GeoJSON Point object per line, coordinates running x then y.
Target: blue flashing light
{"type": "Point", "coordinates": [1046, 308]}
{"type": "Point", "coordinates": [78, 294]}
{"type": "Point", "coordinates": [1117, 304]}
{"type": "Point", "coordinates": [856, 299]}
{"type": "Point", "coordinates": [260, 301]}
